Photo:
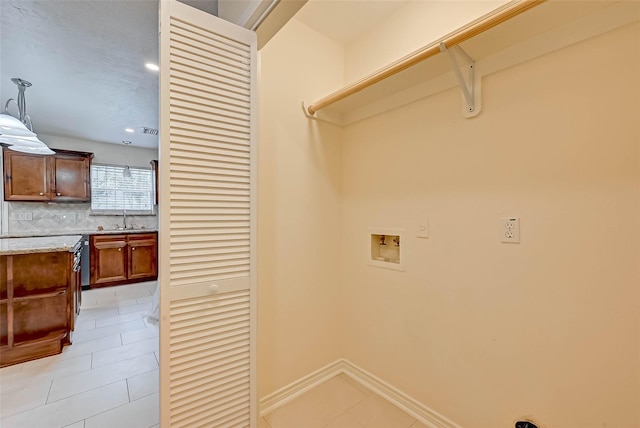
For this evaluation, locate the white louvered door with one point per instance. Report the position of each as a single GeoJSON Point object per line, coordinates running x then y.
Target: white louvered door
{"type": "Point", "coordinates": [207, 220]}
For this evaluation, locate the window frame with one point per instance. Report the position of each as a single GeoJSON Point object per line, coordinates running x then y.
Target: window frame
{"type": "Point", "coordinates": [119, 211]}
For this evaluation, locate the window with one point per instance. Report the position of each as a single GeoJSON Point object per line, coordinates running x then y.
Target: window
{"type": "Point", "coordinates": [112, 191]}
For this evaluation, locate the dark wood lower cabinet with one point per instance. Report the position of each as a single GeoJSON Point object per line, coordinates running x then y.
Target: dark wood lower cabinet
{"type": "Point", "coordinates": [108, 259]}
{"type": "Point", "coordinates": [37, 305]}
{"type": "Point", "coordinates": [120, 259]}
{"type": "Point", "coordinates": [143, 256]}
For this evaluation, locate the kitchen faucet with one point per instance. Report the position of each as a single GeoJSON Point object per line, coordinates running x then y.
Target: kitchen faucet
{"type": "Point", "coordinates": [124, 218]}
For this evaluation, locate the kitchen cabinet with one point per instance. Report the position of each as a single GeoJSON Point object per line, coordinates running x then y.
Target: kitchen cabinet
{"type": "Point", "coordinates": [142, 255]}
{"type": "Point", "coordinates": [71, 177]}
{"type": "Point", "coordinates": [63, 177]}
{"type": "Point", "coordinates": [108, 259]}
{"type": "Point", "coordinates": [37, 299]}
{"type": "Point", "coordinates": [123, 258]}
{"type": "Point", "coordinates": [26, 177]}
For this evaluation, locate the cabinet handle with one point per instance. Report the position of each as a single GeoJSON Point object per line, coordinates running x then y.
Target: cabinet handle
{"type": "Point", "coordinates": [119, 249]}
{"type": "Point", "coordinates": [133, 248]}
{"type": "Point", "coordinates": [41, 194]}
{"type": "Point", "coordinates": [57, 194]}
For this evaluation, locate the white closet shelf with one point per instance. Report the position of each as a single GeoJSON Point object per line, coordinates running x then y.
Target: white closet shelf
{"type": "Point", "coordinates": [529, 33]}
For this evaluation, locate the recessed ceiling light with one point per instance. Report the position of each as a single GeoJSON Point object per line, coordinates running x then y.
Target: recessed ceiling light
{"type": "Point", "coordinates": [152, 67]}
{"type": "Point", "coordinates": [128, 129]}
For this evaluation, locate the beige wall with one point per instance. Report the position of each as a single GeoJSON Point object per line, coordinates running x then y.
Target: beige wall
{"type": "Point", "coordinates": [299, 178]}
{"type": "Point", "coordinates": [480, 331]}
{"type": "Point", "coordinates": [116, 154]}
{"type": "Point", "coordinates": [485, 332]}
{"type": "Point", "coordinates": [411, 27]}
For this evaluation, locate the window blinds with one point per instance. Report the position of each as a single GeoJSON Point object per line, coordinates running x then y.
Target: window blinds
{"type": "Point", "coordinates": [111, 190]}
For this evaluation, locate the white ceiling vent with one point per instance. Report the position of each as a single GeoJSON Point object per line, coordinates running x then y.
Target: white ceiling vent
{"type": "Point", "coordinates": [149, 131]}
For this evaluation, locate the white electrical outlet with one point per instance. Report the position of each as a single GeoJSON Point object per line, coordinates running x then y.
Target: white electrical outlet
{"type": "Point", "coordinates": [510, 230]}
{"type": "Point", "coordinates": [21, 215]}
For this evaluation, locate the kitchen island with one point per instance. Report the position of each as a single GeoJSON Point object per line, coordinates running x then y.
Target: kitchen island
{"type": "Point", "coordinates": [39, 296]}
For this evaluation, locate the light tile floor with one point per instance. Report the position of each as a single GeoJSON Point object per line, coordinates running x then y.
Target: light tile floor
{"type": "Point", "coordinates": [108, 378]}
{"type": "Point", "coordinates": [340, 402]}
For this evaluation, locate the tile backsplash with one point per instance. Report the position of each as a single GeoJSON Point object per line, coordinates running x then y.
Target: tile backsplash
{"type": "Point", "coordinates": [44, 218]}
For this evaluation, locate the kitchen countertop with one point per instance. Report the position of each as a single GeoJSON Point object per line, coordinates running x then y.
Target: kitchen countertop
{"type": "Point", "coordinates": [78, 232]}
{"type": "Point", "coordinates": [43, 244]}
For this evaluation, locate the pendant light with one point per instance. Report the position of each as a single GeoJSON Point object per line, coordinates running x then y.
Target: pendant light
{"type": "Point", "coordinates": [26, 145]}
{"type": "Point", "coordinates": [17, 133]}
{"type": "Point", "coordinates": [126, 172]}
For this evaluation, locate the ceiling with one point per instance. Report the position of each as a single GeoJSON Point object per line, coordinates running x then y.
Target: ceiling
{"type": "Point", "coordinates": [86, 59]}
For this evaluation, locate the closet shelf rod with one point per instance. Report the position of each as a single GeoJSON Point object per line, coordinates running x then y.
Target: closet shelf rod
{"type": "Point", "coordinates": [477, 27]}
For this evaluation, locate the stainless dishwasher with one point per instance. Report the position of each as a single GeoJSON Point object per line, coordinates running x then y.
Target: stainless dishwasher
{"type": "Point", "coordinates": [85, 263]}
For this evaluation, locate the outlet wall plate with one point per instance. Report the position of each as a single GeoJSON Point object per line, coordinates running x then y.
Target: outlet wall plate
{"type": "Point", "coordinates": [510, 230]}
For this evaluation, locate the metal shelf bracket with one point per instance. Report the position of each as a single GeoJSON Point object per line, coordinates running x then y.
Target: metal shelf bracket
{"type": "Point", "coordinates": [471, 86]}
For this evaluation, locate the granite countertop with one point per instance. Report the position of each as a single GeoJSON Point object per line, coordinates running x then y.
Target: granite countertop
{"type": "Point", "coordinates": [78, 232]}
{"type": "Point", "coordinates": [43, 244]}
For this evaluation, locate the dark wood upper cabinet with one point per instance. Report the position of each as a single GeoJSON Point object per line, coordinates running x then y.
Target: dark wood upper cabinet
{"type": "Point", "coordinates": [26, 177]}
{"type": "Point", "coordinates": [71, 178]}
{"type": "Point", "coordinates": [63, 177]}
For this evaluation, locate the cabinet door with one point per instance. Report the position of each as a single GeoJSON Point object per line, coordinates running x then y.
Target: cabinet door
{"type": "Point", "coordinates": [39, 318]}
{"type": "Point", "coordinates": [143, 254]}
{"type": "Point", "coordinates": [25, 177]}
{"type": "Point", "coordinates": [108, 259]}
{"type": "Point", "coordinates": [71, 179]}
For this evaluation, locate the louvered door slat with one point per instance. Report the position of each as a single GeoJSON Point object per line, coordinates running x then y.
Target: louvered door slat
{"type": "Point", "coordinates": [216, 116]}
{"type": "Point", "coordinates": [211, 43]}
{"type": "Point", "coordinates": [203, 73]}
{"type": "Point", "coordinates": [210, 98]}
{"type": "Point", "coordinates": [202, 138]}
{"type": "Point", "coordinates": [224, 110]}
{"type": "Point", "coordinates": [207, 227]}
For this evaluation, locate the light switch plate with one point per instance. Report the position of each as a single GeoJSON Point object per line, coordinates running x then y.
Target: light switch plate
{"type": "Point", "coordinates": [422, 228]}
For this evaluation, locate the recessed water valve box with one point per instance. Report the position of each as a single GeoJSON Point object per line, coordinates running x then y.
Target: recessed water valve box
{"type": "Point", "coordinates": [386, 248]}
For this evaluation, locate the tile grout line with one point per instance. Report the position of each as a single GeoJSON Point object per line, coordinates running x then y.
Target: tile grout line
{"type": "Point", "coordinates": [347, 410]}
{"type": "Point", "coordinates": [49, 392]}
{"type": "Point", "coordinates": [91, 356]}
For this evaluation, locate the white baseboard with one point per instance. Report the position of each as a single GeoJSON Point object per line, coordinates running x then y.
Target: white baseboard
{"type": "Point", "coordinates": [422, 413]}
{"type": "Point", "coordinates": [295, 389]}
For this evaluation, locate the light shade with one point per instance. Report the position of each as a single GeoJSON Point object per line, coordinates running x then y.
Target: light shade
{"type": "Point", "coordinates": [26, 145]}
{"type": "Point", "coordinates": [11, 126]}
